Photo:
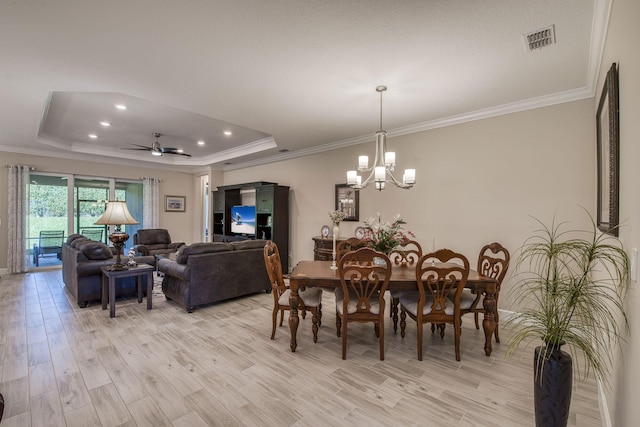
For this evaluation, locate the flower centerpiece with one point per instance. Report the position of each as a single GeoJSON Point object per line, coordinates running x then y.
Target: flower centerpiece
{"type": "Point", "coordinates": [384, 236]}
{"type": "Point", "coordinates": [337, 216]}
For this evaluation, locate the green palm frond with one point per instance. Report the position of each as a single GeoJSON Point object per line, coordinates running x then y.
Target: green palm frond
{"type": "Point", "coordinates": [570, 290]}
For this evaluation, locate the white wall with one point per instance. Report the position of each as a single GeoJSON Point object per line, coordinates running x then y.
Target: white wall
{"type": "Point", "coordinates": [621, 47]}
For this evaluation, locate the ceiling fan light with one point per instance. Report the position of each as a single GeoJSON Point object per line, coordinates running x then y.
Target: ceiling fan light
{"type": "Point", "coordinates": [156, 152]}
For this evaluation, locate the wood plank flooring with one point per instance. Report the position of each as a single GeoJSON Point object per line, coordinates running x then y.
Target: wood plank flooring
{"type": "Point", "coordinates": [61, 365]}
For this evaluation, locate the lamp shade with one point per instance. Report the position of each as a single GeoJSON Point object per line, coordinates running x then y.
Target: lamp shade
{"type": "Point", "coordinates": [116, 213]}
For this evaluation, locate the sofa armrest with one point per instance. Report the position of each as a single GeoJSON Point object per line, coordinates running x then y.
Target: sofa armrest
{"type": "Point", "coordinates": [171, 268]}
{"type": "Point", "coordinates": [175, 245]}
{"type": "Point", "coordinates": [141, 250]}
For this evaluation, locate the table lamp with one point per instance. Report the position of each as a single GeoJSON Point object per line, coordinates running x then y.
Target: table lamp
{"type": "Point", "coordinates": [116, 213]}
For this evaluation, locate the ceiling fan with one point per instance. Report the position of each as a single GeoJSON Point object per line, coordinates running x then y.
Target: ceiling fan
{"type": "Point", "coordinates": [157, 150]}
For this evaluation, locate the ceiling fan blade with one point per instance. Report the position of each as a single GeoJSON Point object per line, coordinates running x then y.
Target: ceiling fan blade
{"type": "Point", "coordinates": [142, 147]}
{"type": "Point", "coordinates": [169, 150]}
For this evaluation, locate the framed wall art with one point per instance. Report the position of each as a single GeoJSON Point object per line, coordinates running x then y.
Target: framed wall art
{"type": "Point", "coordinates": [174, 203]}
{"type": "Point", "coordinates": [608, 154]}
{"type": "Point", "coordinates": [348, 201]}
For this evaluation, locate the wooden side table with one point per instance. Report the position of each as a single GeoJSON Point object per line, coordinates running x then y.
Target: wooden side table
{"type": "Point", "coordinates": [109, 278]}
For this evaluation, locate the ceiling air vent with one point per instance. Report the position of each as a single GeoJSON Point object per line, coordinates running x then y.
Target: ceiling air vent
{"type": "Point", "coordinates": [541, 38]}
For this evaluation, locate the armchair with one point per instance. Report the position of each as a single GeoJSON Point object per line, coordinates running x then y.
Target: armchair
{"type": "Point", "coordinates": [154, 241]}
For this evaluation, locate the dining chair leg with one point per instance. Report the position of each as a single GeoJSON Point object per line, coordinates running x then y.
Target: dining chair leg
{"type": "Point", "coordinates": [403, 321]}
{"type": "Point", "coordinates": [338, 324]}
{"type": "Point", "coordinates": [319, 314]}
{"type": "Point", "coordinates": [419, 334]}
{"type": "Point", "coordinates": [381, 338]}
{"type": "Point", "coordinates": [344, 340]}
{"type": "Point", "coordinates": [274, 320]}
{"type": "Point", "coordinates": [457, 331]}
{"type": "Point", "coordinates": [281, 316]}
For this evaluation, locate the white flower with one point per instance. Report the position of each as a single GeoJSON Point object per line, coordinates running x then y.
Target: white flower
{"type": "Point", "coordinates": [337, 216]}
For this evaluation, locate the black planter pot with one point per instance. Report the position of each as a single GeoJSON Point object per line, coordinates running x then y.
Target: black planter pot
{"type": "Point", "coordinates": [552, 386]}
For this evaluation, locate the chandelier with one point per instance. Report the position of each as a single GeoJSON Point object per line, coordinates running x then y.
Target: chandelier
{"type": "Point", "coordinates": [383, 164]}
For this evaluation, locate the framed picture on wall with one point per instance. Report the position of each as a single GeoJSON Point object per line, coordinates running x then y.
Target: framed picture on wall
{"type": "Point", "coordinates": [348, 201]}
{"type": "Point", "coordinates": [174, 203]}
{"type": "Point", "coordinates": [608, 155]}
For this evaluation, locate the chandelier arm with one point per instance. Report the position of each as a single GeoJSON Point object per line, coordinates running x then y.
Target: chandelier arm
{"type": "Point", "coordinates": [398, 183]}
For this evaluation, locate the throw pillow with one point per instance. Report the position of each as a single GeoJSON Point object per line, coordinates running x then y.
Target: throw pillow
{"type": "Point", "coordinates": [96, 250]}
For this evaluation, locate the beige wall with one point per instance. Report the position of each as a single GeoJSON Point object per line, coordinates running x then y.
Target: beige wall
{"type": "Point", "coordinates": [182, 226]}
{"type": "Point", "coordinates": [477, 182]}
{"type": "Point", "coordinates": [621, 47]}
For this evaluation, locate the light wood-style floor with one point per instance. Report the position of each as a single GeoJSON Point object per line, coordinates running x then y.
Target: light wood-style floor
{"type": "Point", "coordinates": [61, 365]}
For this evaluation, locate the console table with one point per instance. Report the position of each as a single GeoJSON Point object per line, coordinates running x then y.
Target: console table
{"type": "Point", "coordinates": [323, 247]}
{"type": "Point", "coordinates": [109, 278]}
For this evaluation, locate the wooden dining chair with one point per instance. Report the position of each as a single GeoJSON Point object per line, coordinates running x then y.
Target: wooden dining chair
{"type": "Point", "coordinates": [437, 274]}
{"type": "Point", "coordinates": [405, 256]}
{"type": "Point", "coordinates": [351, 244]}
{"type": "Point", "coordinates": [361, 295]}
{"type": "Point", "coordinates": [493, 261]}
{"type": "Point", "coordinates": [308, 299]}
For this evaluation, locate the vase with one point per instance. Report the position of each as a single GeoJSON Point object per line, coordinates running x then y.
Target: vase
{"type": "Point", "coordinates": [379, 261]}
{"type": "Point", "coordinates": [336, 229]}
{"type": "Point", "coordinates": [553, 375]}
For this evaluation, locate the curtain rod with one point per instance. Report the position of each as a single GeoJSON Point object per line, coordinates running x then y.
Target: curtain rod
{"type": "Point", "coordinates": [145, 177]}
{"type": "Point", "coordinates": [31, 168]}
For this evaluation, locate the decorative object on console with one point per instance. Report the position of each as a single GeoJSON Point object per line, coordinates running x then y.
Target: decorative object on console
{"type": "Point", "coordinates": [336, 216]}
{"type": "Point", "coordinates": [383, 164]}
{"type": "Point", "coordinates": [324, 231]}
{"type": "Point", "coordinates": [384, 236]}
{"type": "Point", "coordinates": [116, 213]}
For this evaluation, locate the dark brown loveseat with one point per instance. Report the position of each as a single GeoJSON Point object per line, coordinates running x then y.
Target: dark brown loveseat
{"type": "Point", "coordinates": [203, 273]}
{"type": "Point", "coordinates": [82, 259]}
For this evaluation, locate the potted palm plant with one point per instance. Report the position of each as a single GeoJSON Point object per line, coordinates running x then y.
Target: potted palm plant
{"type": "Point", "coordinates": [569, 291]}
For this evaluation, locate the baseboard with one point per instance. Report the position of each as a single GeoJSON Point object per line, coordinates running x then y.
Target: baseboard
{"type": "Point", "coordinates": [604, 407]}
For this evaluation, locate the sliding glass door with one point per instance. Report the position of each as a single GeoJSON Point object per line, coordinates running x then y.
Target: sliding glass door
{"type": "Point", "coordinates": [60, 205]}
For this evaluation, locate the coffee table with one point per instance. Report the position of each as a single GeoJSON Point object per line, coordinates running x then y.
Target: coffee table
{"type": "Point", "coordinates": [109, 278]}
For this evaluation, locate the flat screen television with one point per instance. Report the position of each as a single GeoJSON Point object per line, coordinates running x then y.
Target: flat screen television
{"type": "Point", "coordinates": [243, 219]}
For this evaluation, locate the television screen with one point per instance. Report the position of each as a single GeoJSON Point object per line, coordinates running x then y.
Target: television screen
{"type": "Point", "coordinates": [243, 219]}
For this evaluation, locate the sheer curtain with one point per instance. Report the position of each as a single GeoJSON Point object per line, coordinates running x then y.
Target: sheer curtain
{"type": "Point", "coordinates": [151, 202]}
{"type": "Point", "coordinates": [18, 203]}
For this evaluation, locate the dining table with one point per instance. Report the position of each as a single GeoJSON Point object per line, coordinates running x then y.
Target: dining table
{"type": "Point", "coordinates": [403, 277]}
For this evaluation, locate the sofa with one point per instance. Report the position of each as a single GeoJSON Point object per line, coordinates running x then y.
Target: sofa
{"type": "Point", "coordinates": [204, 273]}
{"type": "Point", "coordinates": [154, 241]}
{"type": "Point", "coordinates": [82, 260]}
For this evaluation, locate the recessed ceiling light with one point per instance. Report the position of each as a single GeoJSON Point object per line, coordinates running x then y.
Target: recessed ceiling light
{"type": "Point", "coordinates": [93, 136]}
{"type": "Point", "coordinates": [227, 132]}
{"type": "Point", "coordinates": [121, 106]}
{"type": "Point", "coordinates": [105, 124]}
{"type": "Point", "coordinates": [201, 142]}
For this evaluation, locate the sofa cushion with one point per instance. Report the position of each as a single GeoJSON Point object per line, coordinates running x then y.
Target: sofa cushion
{"type": "Point", "coordinates": [79, 241]}
{"type": "Point", "coordinates": [73, 237]}
{"type": "Point", "coordinates": [248, 244]}
{"type": "Point", "coordinates": [201, 248]}
{"type": "Point", "coordinates": [96, 250]}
